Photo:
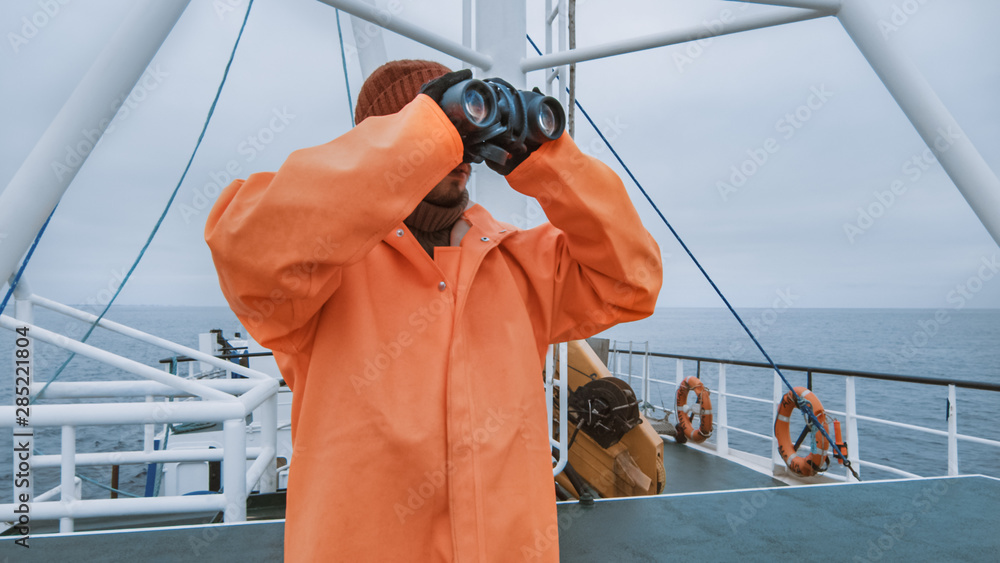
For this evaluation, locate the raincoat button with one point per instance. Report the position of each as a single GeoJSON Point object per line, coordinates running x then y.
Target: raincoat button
{"type": "Point", "coordinates": [485, 239]}
{"type": "Point", "coordinates": [399, 232]}
{"type": "Point", "coordinates": [442, 286]}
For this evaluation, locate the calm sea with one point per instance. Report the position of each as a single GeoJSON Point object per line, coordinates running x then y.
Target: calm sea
{"type": "Point", "coordinates": [956, 345]}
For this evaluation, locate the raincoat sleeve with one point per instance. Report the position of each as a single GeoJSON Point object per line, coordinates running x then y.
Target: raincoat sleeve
{"type": "Point", "coordinates": [279, 239]}
{"type": "Point", "coordinates": [593, 265]}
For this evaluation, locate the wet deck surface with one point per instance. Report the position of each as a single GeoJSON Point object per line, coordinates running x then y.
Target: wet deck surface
{"type": "Point", "coordinates": [691, 471]}
{"type": "Point", "coordinates": [946, 519]}
{"type": "Point", "coordinates": [707, 514]}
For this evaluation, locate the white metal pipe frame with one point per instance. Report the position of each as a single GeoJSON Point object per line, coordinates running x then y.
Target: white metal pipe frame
{"type": "Point", "coordinates": [960, 159]}
{"type": "Point", "coordinates": [131, 366]}
{"type": "Point", "coordinates": [850, 414]}
{"type": "Point", "coordinates": [147, 338]}
{"type": "Point", "coordinates": [45, 174]}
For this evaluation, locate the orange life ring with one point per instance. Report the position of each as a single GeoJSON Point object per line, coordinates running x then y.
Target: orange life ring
{"type": "Point", "coordinates": [816, 461]}
{"type": "Point", "coordinates": [685, 428]}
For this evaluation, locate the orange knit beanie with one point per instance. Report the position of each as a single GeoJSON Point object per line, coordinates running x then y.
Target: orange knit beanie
{"type": "Point", "coordinates": [393, 85]}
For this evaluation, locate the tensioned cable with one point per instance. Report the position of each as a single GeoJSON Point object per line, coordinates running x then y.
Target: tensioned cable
{"type": "Point", "coordinates": [343, 61]}
{"type": "Point", "coordinates": [163, 215]}
{"type": "Point", "coordinates": [802, 404]}
{"type": "Point", "coordinates": [27, 257]}
{"type": "Point", "coordinates": [36, 451]}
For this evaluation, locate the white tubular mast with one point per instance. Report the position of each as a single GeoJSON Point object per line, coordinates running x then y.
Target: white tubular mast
{"type": "Point", "coordinates": [388, 20]}
{"type": "Point", "coordinates": [672, 37]}
{"type": "Point", "coordinates": [44, 176]}
{"type": "Point", "coordinates": [956, 153]}
{"type": "Point", "coordinates": [368, 42]}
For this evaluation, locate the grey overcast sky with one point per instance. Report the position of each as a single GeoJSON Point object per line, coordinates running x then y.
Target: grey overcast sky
{"type": "Point", "coordinates": [684, 118]}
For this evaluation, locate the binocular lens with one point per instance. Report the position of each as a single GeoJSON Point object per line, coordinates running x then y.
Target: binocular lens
{"type": "Point", "coordinates": [471, 106]}
{"type": "Point", "coordinates": [547, 121]}
{"type": "Point", "coordinates": [476, 106]}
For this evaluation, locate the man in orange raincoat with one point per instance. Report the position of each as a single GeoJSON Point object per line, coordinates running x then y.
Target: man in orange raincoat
{"type": "Point", "coordinates": [412, 326]}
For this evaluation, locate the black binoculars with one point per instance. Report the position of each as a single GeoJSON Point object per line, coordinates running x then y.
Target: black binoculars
{"type": "Point", "coordinates": [497, 120]}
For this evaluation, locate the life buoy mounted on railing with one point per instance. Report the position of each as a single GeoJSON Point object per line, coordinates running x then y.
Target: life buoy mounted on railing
{"type": "Point", "coordinates": [816, 461]}
{"type": "Point", "coordinates": [685, 426]}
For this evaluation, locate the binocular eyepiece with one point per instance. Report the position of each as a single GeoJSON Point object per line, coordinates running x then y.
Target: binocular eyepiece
{"type": "Point", "coordinates": [497, 120]}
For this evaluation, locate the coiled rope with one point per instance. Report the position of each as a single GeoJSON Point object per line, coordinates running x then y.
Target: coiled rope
{"type": "Point", "coordinates": [802, 404]}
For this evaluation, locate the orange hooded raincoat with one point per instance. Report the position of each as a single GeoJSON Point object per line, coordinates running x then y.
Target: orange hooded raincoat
{"type": "Point", "coordinates": [418, 418]}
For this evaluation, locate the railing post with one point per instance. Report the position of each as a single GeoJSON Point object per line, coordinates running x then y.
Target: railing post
{"type": "Point", "coordinates": [549, 382]}
{"type": "Point", "coordinates": [268, 417]}
{"type": "Point", "coordinates": [629, 363]}
{"type": "Point", "coordinates": [680, 379]}
{"type": "Point", "coordinates": [645, 376]}
{"type": "Point", "coordinates": [148, 432]}
{"type": "Point", "coordinates": [23, 311]}
{"type": "Point", "coordinates": [68, 475]}
{"type": "Point", "coordinates": [722, 426]}
{"type": "Point", "coordinates": [777, 464]}
{"type": "Point", "coordinates": [234, 470]}
{"type": "Point", "coordinates": [952, 433]}
{"type": "Point", "coordinates": [851, 409]}
{"type": "Point", "coordinates": [563, 408]}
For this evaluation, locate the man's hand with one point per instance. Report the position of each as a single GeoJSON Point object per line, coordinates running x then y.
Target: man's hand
{"type": "Point", "coordinates": [517, 155]}
{"type": "Point", "coordinates": [436, 88]}
{"type": "Point", "coordinates": [514, 160]}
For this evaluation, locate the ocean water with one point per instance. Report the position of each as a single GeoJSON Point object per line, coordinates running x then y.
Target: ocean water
{"type": "Point", "coordinates": [961, 345]}
{"type": "Point", "coordinates": [179, 324]}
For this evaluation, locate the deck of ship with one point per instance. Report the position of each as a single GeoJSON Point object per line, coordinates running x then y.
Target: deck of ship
{"type": "Point", "coordinates": [713, 510]}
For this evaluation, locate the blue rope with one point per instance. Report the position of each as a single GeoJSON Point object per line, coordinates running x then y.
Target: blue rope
{"type": "Point", "coordinates": [27, 257]}
{"type": "Point", "coordinates": [343, 60]}
{"type": "Point", "coordinates": [107, 487]}
{"type": "Point", "coordinates": [36, 451]}
{"type": "Point", "coordinates": [208, 118]}
{"type": "Point", "coordinates": [803, 405]}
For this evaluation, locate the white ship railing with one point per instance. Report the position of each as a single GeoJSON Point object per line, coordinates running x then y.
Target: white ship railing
{"type": "Point", "coordinates": [560, 445]}
{"type": "Point", "coordinates": [720, 442]}
{"type": "Point", "coordinates": [226, 401]}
